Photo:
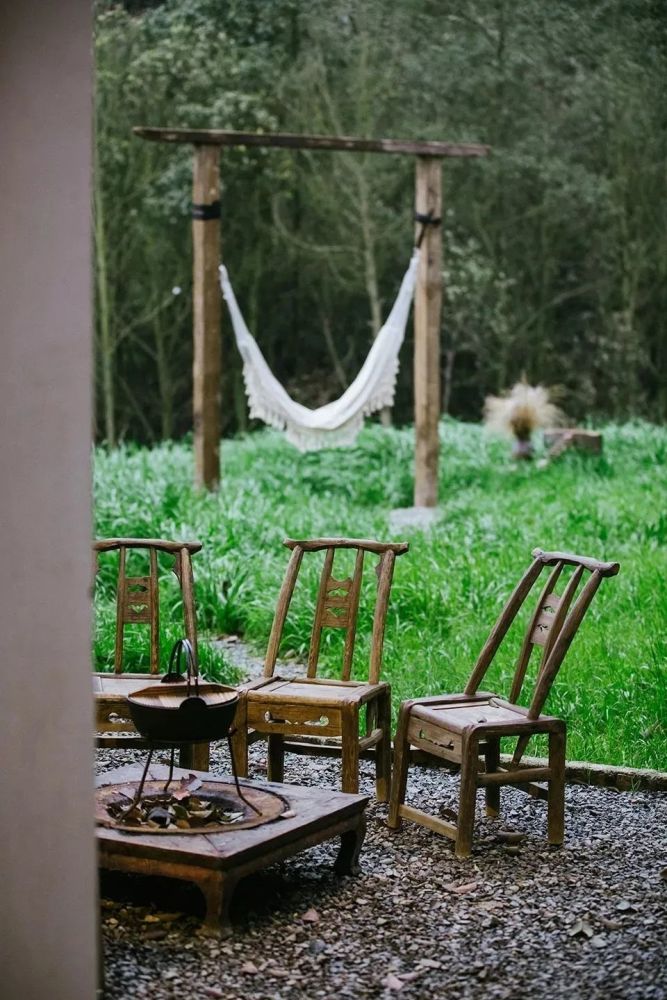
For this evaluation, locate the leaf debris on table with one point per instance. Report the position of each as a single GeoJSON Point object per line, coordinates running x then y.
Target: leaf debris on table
{"type": "Point", "coordinates": [174, 811]}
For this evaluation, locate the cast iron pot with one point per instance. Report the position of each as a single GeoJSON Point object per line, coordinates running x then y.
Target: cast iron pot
{"type": "Point", "coordinates": [181, 709]}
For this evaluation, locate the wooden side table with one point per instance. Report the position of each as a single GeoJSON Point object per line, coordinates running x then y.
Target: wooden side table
{"type": "Point", "coordinates": [215, 862]}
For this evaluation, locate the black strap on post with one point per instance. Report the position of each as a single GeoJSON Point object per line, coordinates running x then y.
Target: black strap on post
{"type": "Point", "coordinates": [426, 219]}
{"type": "Point", "coordinates": [204, 213]}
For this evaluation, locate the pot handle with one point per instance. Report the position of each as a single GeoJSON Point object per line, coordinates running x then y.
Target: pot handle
{"type": "Point", "coordinates": [180, 647]}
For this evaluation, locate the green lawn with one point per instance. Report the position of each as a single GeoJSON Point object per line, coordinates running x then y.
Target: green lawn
{"type": "Point", "coordinates": [450, 587]}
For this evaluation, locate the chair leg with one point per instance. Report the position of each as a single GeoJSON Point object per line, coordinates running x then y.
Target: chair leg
{"type": "Point", "coordinates": [467, 797]}
{"type": "Point", "coordinates": [276, 757]}
{"type": "Point", "coordinates": [556, 788]}
{"type": "Point", "coordinates": [401, 760]}
{"type": "Point", "coordinates": [195, 756]}
{"type": "Point", "coordinates": [492, 792]}
{"type": "Point", "coordinates": [383, 748]}
{"type": "Point", "coordinates": [240, 750]}
{"type": "Point", "coordinates": [239, 742]}
{"type": "Point", "coordinates": [350, 749]}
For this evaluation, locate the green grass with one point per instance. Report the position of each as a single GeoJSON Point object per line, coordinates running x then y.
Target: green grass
{"type": "Point", "coordinates": [450, 587]}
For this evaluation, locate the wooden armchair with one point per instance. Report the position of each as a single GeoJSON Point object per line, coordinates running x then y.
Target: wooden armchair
{"type": "Point", "coordinates": [137, 602]}
{"type": "Point", "coordinates": [309, 706]}
{"type": "Point", "coordinates": [460, 727]}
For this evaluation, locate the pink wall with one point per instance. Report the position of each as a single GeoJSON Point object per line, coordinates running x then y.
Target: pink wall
{"type": "Point", "coordinates": [47, 865]}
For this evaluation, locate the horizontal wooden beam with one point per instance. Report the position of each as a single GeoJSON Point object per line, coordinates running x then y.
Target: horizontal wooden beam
{"type": "Point", "coordinates": [108, 544]}
{"type": "Point", "coordinates": [603, 568]}
{"type": "Point", "coordinates": [367, 544]}
{"type": "Point", "coordinates": [518, 776]}
{"type": "Point", "coordinates": [432, 822]}
{"type": "Point", "coordinates": [288, 140]}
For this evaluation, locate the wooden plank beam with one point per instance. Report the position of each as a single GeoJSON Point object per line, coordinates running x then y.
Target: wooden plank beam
{"type": "Point", "coordinates": [206, 315]}
{"type": "Point", "coordinates": [287, 140]}
{"type": "Point", "coordinates": [427, 310]}
{"type": "Point", "coordinates": [425, 819]}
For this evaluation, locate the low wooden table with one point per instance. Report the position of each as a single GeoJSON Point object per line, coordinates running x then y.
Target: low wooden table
{"type": "Point", "coordinates": [216, 861]}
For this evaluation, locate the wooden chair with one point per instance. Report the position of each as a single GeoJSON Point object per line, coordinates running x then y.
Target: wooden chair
{"type": "Point", "coordinates": [460, 727]}
{"type": "Point", "coordinates": [137, 602]}
{"type": "Point", "coordinates": [281, 708]}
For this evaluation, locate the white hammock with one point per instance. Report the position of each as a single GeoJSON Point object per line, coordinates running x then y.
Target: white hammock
{"type": "Point", "coordinates": [337, 423]}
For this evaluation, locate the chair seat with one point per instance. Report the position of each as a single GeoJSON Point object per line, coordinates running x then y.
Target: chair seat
{"type": "Point", "coordinates": [326, 694]}
{"type": "Point", "coordinates": [111, 687]}
{"type": "Point", "coordinates": [487, 713]}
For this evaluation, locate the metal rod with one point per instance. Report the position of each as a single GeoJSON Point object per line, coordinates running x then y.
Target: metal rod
{"type": "Point", "coordinates": [171, 768]}
{"type": "Point", "coordinates": [138, 793]}
{"type": "Point", "coordinates": [236, 779]}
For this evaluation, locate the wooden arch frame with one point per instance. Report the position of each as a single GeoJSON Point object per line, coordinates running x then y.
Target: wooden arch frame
{"type": "Point", "coordinates": [206, 295]}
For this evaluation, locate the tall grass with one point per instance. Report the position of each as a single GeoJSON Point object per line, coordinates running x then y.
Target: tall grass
{"type": "Point", "coordinates": [449, 588]}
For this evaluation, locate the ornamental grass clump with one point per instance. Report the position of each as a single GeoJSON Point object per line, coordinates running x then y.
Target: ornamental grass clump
{"type": "Point", "coordinates": [521, 411]}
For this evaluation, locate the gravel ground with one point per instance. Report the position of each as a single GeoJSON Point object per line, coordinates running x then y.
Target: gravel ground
{"type": "Point", "coordinates": [588, 920]}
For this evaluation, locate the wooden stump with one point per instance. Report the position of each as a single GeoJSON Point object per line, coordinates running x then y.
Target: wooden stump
{"type": "Point", "coordinates": [560, 439]}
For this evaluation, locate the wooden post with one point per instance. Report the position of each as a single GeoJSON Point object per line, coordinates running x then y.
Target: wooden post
{"type": "Point", "coordinates": [206, 315]}
{"type": "Point", "coordinates": [428, 304]}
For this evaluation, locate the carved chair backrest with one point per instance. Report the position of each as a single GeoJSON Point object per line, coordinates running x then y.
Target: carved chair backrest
{"type": "Point", "coordinates": [552, 625]}
{"type": "Point", "coordinates": [337, 604]}
{"type": "Point", "coordinates": [137, 597]}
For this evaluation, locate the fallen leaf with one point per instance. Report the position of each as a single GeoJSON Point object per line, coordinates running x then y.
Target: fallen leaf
{"type": "Point", "coordinates": [186, 786]}
{"type": "Point", "coordinates": [155, 935]}
{"type": "Point", "coordinates": [159, 816]}
{"type": "Point", "coordinates": [430, 963]}
{"type": "Point", "coordinates": [489, 904]}
{"type": "Point", "coordinates": [204, 814]}
{"type": "Point", "coordinates": [462, 889]}
{"type": "Point", "coordinates": [448, 813]}
{"type": "Point", "coordinates": [392, 982]}
{"type": "Point", "coordinates": [408, 977]}
{"type": "Point", "coordinates": [311, 916]}
{"type": "Point", "coordinates": [581, 927]}
{"type": "Point", "coordinates": [511, 836]}
{"type": "Point", "coordinates": [611, 925]}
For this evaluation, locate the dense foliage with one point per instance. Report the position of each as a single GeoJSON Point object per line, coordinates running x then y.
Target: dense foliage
{"type": "Point", "coordinates": [451, 585]}
{"type": "Point", "coordinates": [556, 246]}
